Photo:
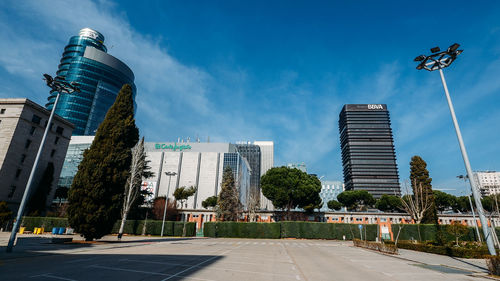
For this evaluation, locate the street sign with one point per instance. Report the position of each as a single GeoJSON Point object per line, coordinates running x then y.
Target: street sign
{"type": "Point", "coordinates": [360, 226]}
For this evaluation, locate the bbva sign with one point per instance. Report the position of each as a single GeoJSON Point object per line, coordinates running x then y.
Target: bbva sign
{"type": "Point", "coordinates": [375, 106]}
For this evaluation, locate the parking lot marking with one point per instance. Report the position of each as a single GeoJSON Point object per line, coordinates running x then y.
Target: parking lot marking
{"type": "Point", "coordinates": [196, 265]}
{"type": "Point", "coordinates": [145, 272]}
{"type": "Point", "coordinates": [49, 275]}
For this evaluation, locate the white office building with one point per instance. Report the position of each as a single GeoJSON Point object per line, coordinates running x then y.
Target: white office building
{"type": "Point", "coordinates": [196, 164]}
{"type": "Point", "coordinates": [329, 191]}
{"type": "Point", "coordinates": [488, 182]}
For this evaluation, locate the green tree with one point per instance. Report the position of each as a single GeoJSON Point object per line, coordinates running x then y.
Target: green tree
{"type": "Point", "coordinates": [96, 195]}
{"type": "Point", "coordinates": [289, 188]}
{"type": "Point", "coordinates": [457, 229]}
{"type": "Point", "coordinates": [444, 201]}
{"type": "Point", "coordinates": [5, 214]}
{"type": "Point", "coordinates": [389, 203]}
{"type": "Point", "coordinates": [462, 204]}
{"type": "Point", "coordinates": [210, 202]}
{"type": "Point", "coordinates": [334, 205]}
{"type": "Point", "coordinates": [419, 175]}
{"type": "Point", "coordinates": [356, 199]}
{"type": "Point", "coordinates": [228, 203]}
{"type": "Point", "coordinates": [38, 201]}
{"type": "Point", "coordinates": [182, 193]}
{"type": "Point", "coordinates": [488, 203]}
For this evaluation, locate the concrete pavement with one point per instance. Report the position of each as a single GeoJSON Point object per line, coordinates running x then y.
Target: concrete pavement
{"type": "Point", "coordinates": [150, 258]}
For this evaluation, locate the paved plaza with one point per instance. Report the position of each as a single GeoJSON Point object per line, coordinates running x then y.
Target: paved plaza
{"type": "Point", "coordinates": [150, 258]}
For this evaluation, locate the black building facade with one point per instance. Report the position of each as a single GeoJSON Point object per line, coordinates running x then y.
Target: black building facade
{"type": "Point", "coordinates": [368, 156]}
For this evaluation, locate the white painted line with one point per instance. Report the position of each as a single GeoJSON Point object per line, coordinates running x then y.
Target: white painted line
{"type": "Point", "coordinates": [196, 265]}
{"type": "Point", "coordinates": [145, 272]}
{"type": "Point", "coordinates": [79, 260]}
{"type": "Point", "coordinates": [49, 275]}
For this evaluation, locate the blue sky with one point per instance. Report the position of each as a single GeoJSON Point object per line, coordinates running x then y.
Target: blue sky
{"type": "Point", "coordinates": [282, 70]}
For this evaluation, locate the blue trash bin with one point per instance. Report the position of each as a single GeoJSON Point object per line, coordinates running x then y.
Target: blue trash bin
{"type": "Point", "coordinates": [62, 230]}
{"type": "Point", "coordinates": [55, 230]}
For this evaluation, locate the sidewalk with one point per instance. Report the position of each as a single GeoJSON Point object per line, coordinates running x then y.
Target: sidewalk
{"type": "Point", "coordinates": [473, 265]}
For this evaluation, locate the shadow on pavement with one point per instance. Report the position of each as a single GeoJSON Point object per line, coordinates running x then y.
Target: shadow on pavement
{"type": "Point", "coordinates": [93, 266]}
{"type": "Point", "coordinates": [43, 246]}
{"type": "Point", "coordinates": [471, 264]}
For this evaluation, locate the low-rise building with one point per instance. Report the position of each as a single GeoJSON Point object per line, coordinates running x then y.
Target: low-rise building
{"type": "Point", "coordinates": [22, 125]}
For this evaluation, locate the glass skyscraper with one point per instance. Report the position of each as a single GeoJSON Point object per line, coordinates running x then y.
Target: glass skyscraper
{"type": "Point", "coordinates": [368, 156]}
{"type": "Point", "coordinates": [100, 75]}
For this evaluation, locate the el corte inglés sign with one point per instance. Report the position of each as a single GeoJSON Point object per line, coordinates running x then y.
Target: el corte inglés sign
{"type": "Point", "coordinates": [173, 147]}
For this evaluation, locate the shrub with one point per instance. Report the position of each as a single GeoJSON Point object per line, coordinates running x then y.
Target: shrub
{"type": "Point", "coordinates": [493, 263]}
{"type": "Point", "coordinates": [467, 251]}
{"type": "Point", "coordinates": [381, 247]}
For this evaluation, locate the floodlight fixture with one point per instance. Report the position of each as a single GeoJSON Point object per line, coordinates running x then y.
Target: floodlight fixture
{"type": "Point", "coordinates": [435, 49]}
{"type": "Point", "coordinates": [419, 58]}
{"type": "Point", "coordinates": [453, 47]}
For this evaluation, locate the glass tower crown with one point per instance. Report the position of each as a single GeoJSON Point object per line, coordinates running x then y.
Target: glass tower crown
{"type": "Point", "coordinates": [101, 76]}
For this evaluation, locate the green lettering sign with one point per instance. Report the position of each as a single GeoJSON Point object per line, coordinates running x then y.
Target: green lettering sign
{"type": "Point", "coordinates": [173, 147]}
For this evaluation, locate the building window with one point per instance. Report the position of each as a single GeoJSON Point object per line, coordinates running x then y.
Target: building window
{"type": "Point", "coordinates": [11, 191]}
{"type": "Point", "coordinates": [32, 130]}
{"type": "Point", "coordinates": [23, 157]}
{"type": "Point", "coordinates": [59, 130]}
{"type": "Point", "coordinates": [2, 111]}
{"type": "Point", "coordinates": [18, 173]}
{"type": "Point", "coordinates": [36, 119]}
{"type": "Point", "coordinates": [52, 153]}
{"type": "Point", "coordinates": [56, 140]}
{"type": "Point", "coordinates": [28, 143]}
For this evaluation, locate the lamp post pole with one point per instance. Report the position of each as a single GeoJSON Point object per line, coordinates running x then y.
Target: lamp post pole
{"type": "Point", "coordinates": [169, 174]}
{"type": "Point", "coordinates": [437, 61]}
{"type": "Point", "coordinates": [59, 85]}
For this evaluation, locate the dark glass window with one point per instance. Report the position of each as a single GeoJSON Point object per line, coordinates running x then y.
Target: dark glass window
{"type": "Point", "coordinates": [2, 111]}
{"type": "Point", "coordinates": [28, 143]}
{"type": "Point", "coordinates": [59, 130]}
{"type": "Point", "coordinates": [32, 130]}
{"type": "Point", "coordinates": [11, 191]}
{"type": "Point", "coordinates": [23, 157]}
{"type": "Point", "coordinates": [36, 119]}
{"type": "Point", "coordinates": [52, 153]}
{"type": "Point", "coordinates": [56, 140]}
{"type": "Point", "coordinates": [18, 173]}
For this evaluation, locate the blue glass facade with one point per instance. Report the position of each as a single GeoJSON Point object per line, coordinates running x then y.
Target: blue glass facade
{"type": "Point", "coordinates": [241, 173]}
{"type": "Point", "coordinates": [101, 76]}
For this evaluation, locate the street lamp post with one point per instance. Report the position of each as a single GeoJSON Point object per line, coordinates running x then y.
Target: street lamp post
{"type": "Point", "coordinates": [59, 85]}
{"type": "Point", "coordinates": [437, 61]}
{"type": "Point", "coordinates": [169, 174]}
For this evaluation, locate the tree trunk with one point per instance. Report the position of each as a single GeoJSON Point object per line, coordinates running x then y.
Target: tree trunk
{"type": "Point", "coordinates": [122, 225]}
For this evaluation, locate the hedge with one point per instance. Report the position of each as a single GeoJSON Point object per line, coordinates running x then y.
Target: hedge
{"type": "Point", "coordinates": [242, 230]}
{"type": "Point", "coordinates": [476, 252]}
{"type": "Point", "coordinates": [430, 232]}
{"type": "Point", "coordinates": [289, 229]}
{"type": "Point", "coordinates": [153, 227]}
{"type": "Point", "coordinates": [46, 222]}
{"type": "Point", "coordinates": [377, 246]}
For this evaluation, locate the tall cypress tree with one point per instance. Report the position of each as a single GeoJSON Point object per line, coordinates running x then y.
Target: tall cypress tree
{"type": "Point", "coordinates": [419, 176]}
{"type": "Point", "coordinates": [228, 204]}
{"type": "Point", "coordinates": [95, 197]}
{"type": "Point", "coordinates": [37, 202]}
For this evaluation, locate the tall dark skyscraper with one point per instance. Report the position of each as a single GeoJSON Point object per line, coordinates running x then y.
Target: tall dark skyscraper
{"type": "Point", "coordinates": [101, 76]}
{"type": "Point", "coordinates": [368, 156]}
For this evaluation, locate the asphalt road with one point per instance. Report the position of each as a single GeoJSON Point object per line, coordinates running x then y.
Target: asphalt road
{"type": "Point", "coordinates": [139, 258]}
